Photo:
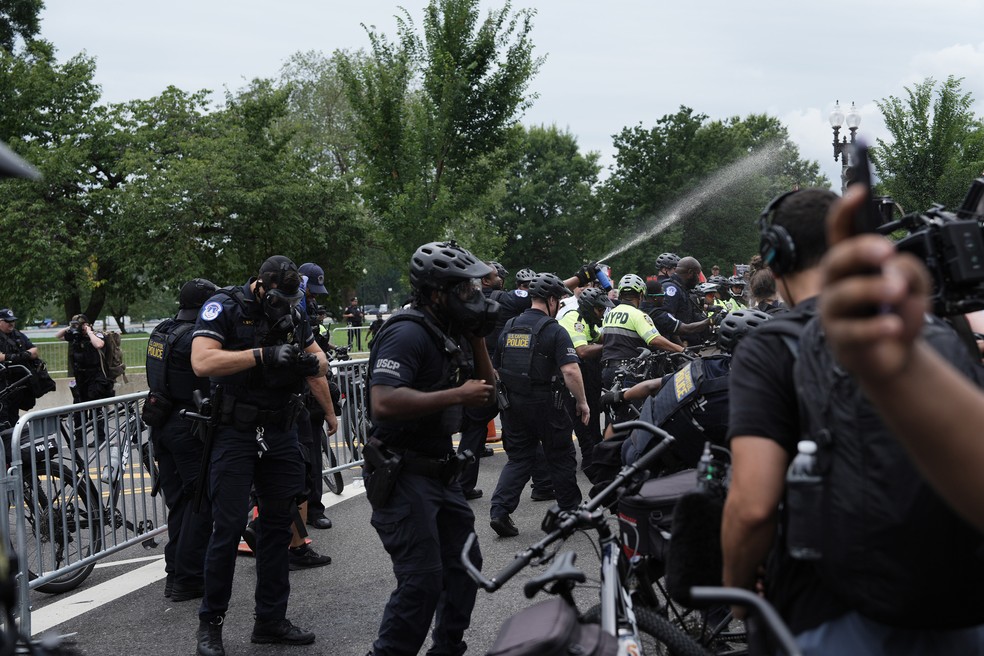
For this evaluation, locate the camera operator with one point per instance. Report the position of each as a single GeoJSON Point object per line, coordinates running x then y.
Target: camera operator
{"type": "Point", "coordinates": [895, 366]}
{"type": "Point", "coordinates": [84, 345]}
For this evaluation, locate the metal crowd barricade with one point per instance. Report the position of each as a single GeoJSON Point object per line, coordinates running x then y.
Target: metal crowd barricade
{"type": "Point", "coordinates": [81, 490]}
{"type": "Point", "coordinates": [353, 424]}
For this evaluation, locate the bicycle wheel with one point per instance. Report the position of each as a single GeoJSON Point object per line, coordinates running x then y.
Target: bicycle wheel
{"type": "Point", "coordinates": [333, 481]}
{"type": "Point", "coordinates": [658, 636]}
{"type": "Point", "coordinates": [62, 527]}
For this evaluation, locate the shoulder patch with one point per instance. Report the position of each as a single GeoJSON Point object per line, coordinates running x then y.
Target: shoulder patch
{"type": "Point", "coordinates": [648, 318]}
{"type": "Point", "coordinates": [522, 293]}
{"type": "Point", "coordinates": [670, 290]}
{"type": "Point", "coordinates": [211, 311]}
{"type": "Point", "coordinates": [578, 327]}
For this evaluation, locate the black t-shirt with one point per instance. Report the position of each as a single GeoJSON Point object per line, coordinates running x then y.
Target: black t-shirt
{"type": "Point", "coordinates": [405, 354]}
{"type": "Point", "coordinates": [763, 403]}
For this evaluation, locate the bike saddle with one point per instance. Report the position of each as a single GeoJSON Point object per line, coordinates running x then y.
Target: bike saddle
{"type": "Point", "coordinates": [561, 570]}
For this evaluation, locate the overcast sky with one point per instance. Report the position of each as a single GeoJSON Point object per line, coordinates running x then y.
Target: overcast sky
{"type": "Point", "coordinates": [608, 64]}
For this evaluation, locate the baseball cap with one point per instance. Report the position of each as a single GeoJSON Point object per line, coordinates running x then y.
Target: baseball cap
{"type": "Point", "coordinates": [6, 314]}
{"type": "Point", "coordinates": [316, 277]}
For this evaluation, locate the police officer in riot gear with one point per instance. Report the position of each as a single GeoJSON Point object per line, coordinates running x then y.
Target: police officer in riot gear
{"type": "Point", "coordinates": [538, 366]}
{"type": "Point", "coordinates": [427, 362]}
{"type": "Point", "coordinates": [255, 345]}
{"type": "Point", "coordinates": [681, 316]}
{"type": "Point", "coordinates": [315, 512]}
{"type": "Point", "coordinates": [177, 447]}
{"type": "Point", "coordinates": [474, 424]}
{"type": "Point", "coordinates": [584, 327]}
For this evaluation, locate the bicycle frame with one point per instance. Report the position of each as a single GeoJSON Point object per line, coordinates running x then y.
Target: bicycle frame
{"type": "Point", "coordinates": [617, 616]}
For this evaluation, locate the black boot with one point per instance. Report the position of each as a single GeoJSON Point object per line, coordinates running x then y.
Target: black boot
{"type": "Point", "coordinates": [210, 637]}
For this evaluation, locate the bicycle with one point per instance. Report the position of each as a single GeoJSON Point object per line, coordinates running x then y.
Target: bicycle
{"type": "Point", "coordinates": [56, 504]}
{"type": "Point", "coordinates": [649, 521]}
{"type": "Point", "coordinates": [629, 627]}
{"type": "Point", "coordinates": [636, 630]}
{"type": "Point", "coordinates": [77, 478]}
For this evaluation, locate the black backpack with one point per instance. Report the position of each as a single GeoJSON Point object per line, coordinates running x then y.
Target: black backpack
{"type": "Point", "coordinates": [892, 549]}
{"type": "Point", "coordinates": [692, 405]}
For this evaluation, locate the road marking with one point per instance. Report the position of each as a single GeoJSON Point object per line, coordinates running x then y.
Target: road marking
{"type": "Point", "coordinates": [71, 607]}
{"type": "Point", "coordinates": [129, 561]}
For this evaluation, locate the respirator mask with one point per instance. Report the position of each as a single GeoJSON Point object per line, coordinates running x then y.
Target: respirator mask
{"type": "Point", "coordinates": [471, 309]}
{"type": "Point", "coordinates": [280, 309]}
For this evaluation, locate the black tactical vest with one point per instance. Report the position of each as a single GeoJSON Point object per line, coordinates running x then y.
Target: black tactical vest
{"type": "Point", "coordinates": [163, 377]}
{"type": "Point", "coordinates": [524, 368]}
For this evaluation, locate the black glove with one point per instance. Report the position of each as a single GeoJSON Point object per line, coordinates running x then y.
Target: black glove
{"type": "Point", "coordinates": [586, 273]}
{"type": "Point", "coordinates": [609, 399]}
{"type": "Point", "coordinates": [280, 356]}
{"type": "Point", "coordinates": [718, 317]}
{"type": "Point", "coordinates": [307, 364]}
{"type": "Point", "coordinates": [19, 358]}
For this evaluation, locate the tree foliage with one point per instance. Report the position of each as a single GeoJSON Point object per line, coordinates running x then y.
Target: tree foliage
{"type": "Point", "coordinates": [549, 210]}
{"type": "Point", "coordinates": [662, 174]}
{"type": "Point", "coordinates": [433, 115]}
{"type": "Point", "coordinates": [19, 18]}
{"type": "Point", "coordinates": [937, 145]}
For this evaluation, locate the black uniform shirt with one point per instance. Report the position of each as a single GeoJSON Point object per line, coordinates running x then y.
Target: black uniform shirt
{"type": "Point", "coordinates": [222, 319]}
{"type": "Point", "coordinates": [405, 354]}
{"type": "Point", "coordinates": [14, 343]}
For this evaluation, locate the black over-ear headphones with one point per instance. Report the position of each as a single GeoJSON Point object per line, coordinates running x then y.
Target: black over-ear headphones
{"type": "Point", "coordinates": [776, 246]}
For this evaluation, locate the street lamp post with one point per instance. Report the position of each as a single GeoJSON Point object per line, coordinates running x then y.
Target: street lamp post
{"type": "Point", "coordinates": [837, 120]}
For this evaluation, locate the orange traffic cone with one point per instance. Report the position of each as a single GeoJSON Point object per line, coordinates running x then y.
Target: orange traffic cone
{"type": "Point", "coordinates": [491, 435]}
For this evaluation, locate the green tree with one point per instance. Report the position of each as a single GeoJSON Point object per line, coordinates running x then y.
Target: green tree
{"type": "Point", "coordinates": [433, 115]}
{"type": "Point", "coordinates": [937, 145]}
{"type": "Point", "coordinates": [696, 186]}
{"type": "Point", "coordinates": [549, 200]}
{"type": "Point", "coordinates": [19, 18]}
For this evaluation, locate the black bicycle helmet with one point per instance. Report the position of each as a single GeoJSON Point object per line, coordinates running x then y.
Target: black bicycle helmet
{"type": "Point", "coordinates": [437, 264]}
{"type": "Point", "coordinates": [719, 281]}
{"type": "Point", "coordinates": [736, 281]}
{"type": "Point", "coordinates": [548, 285]}
{"type": "Point", "coordinates": [525, 276]}
{"type": "Point", "coordinates": [738, 324]}
{"type": "Point", "coordinates": [192, 297]}
{"type": "Point", "coordinates": [591, 298]}
{"type": "Point", "coordinates": [499, 269]}
{"type": "Point", "coordinates": [667, 261]}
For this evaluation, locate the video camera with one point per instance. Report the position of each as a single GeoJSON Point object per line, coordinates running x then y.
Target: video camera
{"type": "Point", "coordinates": [951, 244]}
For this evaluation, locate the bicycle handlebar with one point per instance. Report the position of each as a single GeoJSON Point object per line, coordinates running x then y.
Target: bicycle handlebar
{"type": "Point", "coordinates": [755, 603]}
{"type": "Point", "coordinates": [586, 515]}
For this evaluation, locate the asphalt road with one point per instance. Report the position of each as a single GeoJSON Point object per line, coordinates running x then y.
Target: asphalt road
{"type": "Point", "coordinates": [121, 608]}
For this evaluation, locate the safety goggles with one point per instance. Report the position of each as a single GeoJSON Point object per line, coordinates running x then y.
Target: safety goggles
{"type": "Point", "coordinates": [280, 300]}
{"type": "Point", "coordinates": [466, 289]}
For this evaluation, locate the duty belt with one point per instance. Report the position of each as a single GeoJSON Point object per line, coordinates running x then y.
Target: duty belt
{"type": "Point", "coordinates": [444, 469]}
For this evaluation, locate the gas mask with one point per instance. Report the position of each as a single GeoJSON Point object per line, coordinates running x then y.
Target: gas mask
{"type": "Point", "coordinates": [280, 309]}
{"type": "Point", "coordinates": [470, 309]}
